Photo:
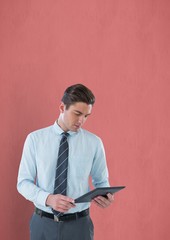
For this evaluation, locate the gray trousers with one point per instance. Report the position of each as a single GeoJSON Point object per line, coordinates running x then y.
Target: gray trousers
{"type": "Point", "coordinates": [43, 228]}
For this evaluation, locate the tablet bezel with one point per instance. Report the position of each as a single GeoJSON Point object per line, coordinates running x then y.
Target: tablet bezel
{"type": "Point", "coordinates": [88, 197]}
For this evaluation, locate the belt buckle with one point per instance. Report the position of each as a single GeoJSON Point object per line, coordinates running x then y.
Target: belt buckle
{"type": "Point", "coordinates": [56, 219]}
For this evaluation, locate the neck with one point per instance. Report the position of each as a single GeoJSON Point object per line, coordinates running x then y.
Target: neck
{"type": "Point", "coordinates": [61, 125]}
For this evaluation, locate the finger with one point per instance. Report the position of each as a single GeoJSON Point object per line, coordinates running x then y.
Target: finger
{"type": "Point", "coordinates": [65, 198]}
{"type": "Point", "coordinates": [110, 197]}
{"type": "Point", "coordinates": [66, 204]}
{"type": "Point", "coordinates": [102, 199]}
{"type": "Point", "coordinates": [62, 203]}
{"type": "Point", "coordinates": [104, 202]}
{"type": "Point", "coordinates": [97, 204]}
{"type": "Point", "coordinates": [63, 207]}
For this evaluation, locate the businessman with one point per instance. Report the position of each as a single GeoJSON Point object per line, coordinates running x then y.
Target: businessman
{"type": "Point", "coordinates": [55, 167]}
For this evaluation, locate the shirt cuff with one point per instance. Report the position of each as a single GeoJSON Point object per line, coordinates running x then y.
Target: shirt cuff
{"type": "Point", "coordinates": [42, 197]}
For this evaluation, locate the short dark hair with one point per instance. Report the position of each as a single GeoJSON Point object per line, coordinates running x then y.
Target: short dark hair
{"type": "Point", "coordinates": [77, 93]}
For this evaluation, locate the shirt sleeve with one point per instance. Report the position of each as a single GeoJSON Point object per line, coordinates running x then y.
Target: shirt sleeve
{"type": "Point", "coordinates": [99, 172]}
{"type": "Point", "coordinates": [26, 184]}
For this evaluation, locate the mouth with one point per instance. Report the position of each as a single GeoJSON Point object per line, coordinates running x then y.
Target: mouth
{"type": "Point", "coordinates": [77, 126]}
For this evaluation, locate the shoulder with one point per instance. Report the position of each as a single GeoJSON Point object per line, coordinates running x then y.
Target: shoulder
{"type": "Point", "coordinates": [40, 133]}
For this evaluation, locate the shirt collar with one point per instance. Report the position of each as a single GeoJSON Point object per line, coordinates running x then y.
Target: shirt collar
{"type": "Point", "coordinates": [59, 130]}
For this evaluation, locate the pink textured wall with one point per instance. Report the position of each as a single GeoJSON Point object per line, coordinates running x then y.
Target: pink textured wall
{"type": "Point", "coordinates": [120, 49]}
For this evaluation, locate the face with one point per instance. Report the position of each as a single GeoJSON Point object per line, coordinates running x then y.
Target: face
{"type": "Point", "coordinates": [73, 118]}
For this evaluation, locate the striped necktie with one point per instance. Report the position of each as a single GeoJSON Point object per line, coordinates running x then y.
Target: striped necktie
{"type": "Point", "coordinates": [60, 185]}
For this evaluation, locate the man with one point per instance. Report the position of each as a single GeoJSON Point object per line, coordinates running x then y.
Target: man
{"type": "Point", "coordinates": [80, 155]}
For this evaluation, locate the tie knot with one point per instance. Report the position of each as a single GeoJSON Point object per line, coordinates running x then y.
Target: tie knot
{"type": "Point", "coordinates": [65, 135]}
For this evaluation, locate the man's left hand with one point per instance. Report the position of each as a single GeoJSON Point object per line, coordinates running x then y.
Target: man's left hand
{"type": "Point", "coordinates": [104, 202]}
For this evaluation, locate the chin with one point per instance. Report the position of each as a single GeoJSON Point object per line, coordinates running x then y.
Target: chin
{"type": "Point", "coordinates": [75, 129]}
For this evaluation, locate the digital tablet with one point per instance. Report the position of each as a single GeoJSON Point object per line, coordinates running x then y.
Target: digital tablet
{"type": "Point", "coordinates": [97, 192]}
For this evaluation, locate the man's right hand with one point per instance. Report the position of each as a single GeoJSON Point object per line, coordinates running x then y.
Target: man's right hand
{"type": "Point", "coordinates": [60, 202]}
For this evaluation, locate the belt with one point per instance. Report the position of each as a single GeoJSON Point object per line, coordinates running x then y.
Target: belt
{"type": "Point", "coordinates": [62, 218]}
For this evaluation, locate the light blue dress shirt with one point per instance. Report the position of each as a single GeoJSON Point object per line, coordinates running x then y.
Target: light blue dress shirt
{"type": "Point", "coordinates": [39, 159]}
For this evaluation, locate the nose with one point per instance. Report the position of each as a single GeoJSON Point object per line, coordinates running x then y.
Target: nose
{"type": "Point", "coordinates": [81, 119]}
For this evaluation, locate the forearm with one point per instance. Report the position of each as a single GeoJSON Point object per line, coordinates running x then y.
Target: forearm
{"type": "Point", "coordinates": [31, 192]}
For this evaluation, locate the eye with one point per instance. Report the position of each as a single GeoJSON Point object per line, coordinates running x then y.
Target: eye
{"type": "Point", "coordinates": [77, 114]}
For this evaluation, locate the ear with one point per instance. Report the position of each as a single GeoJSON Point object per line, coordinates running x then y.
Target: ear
{"type": "Point", "coordinates": [62, 107]}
